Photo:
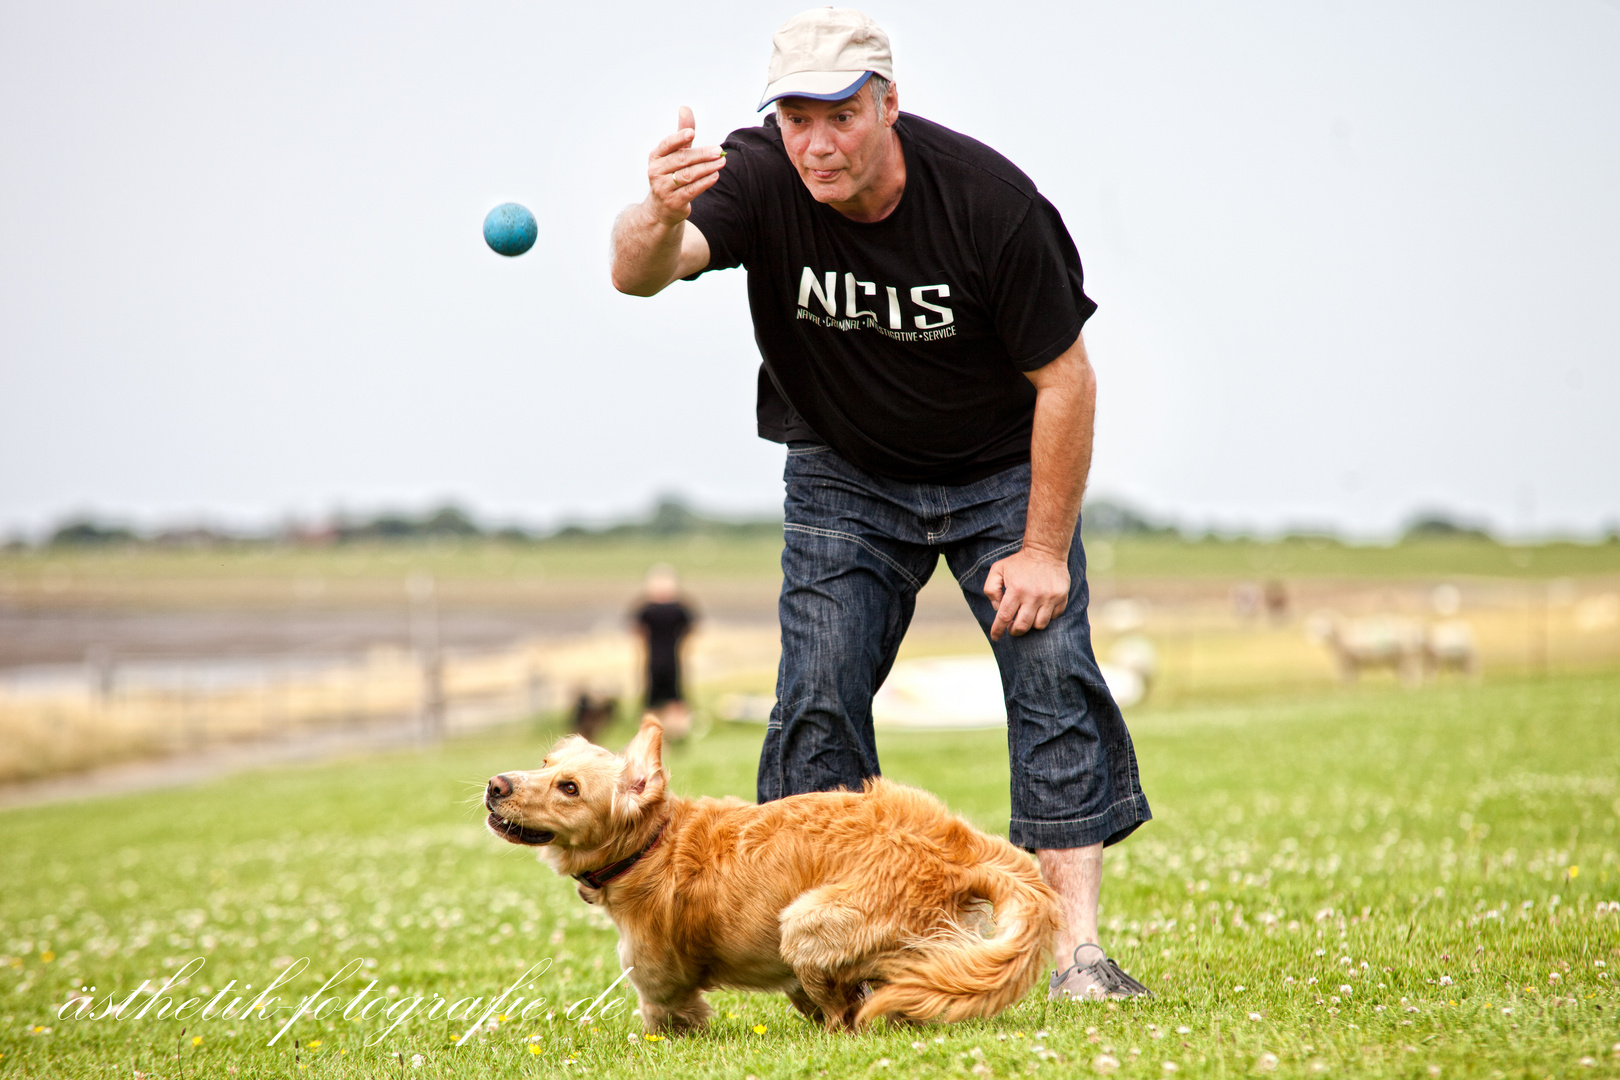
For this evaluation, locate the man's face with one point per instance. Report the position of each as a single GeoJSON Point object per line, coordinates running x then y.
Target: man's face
{"type": "Point", "coordinates": [840, 148]}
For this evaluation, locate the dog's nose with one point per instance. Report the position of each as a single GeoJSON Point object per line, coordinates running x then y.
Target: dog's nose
{"type": "Point", "coordinates": [499, 788]}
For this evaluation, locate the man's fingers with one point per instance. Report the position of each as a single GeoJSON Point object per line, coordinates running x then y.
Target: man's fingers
{"type": "Point", "coordinates": [683, 195]}
{"type": "Point", "coordinates": [993, 584]}
{"type": "Point", "coordinates": [1024, 600]}
{"type": "Point", "coordinates": [684, 119]}
{"type": "Point", "coordinates": [697, 170]}
{"type": "Point", "coordinates": [676, 190]}
{"type": "Point", "coordinates": [681, 157]}
{"type": "Point", "coordinates": [669, 144]}
{"type": "Point", "coordinates": [1004, 619]}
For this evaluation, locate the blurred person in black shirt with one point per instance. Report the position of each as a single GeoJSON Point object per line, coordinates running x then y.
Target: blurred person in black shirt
{"type": "Point", "coordinates": [663, 623]}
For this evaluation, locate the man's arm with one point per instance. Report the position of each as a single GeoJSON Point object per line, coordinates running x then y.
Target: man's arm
{"type": "Point", "coordinates": [653, 243]}
{"type": "Point", "coordinates": [1031, 587]}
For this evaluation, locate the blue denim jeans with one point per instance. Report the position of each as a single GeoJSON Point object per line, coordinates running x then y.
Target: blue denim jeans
{"type": "Point", "coordinates": [857, 548]}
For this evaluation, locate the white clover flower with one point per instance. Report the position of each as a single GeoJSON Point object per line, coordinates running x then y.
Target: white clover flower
{"type": "Point", "coordinates": [1445, 980]}
{"type": "Point", "coordinates": [1345, 989]}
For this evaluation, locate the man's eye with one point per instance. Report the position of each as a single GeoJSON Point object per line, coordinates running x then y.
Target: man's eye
{"type": "Point", "coordinates": [569, 788]}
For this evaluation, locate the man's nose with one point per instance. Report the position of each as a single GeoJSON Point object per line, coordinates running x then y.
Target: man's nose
{"type": "Point", "coordinates": [499, 787]}
{"type": "Point", "coordinates": [821, 140]}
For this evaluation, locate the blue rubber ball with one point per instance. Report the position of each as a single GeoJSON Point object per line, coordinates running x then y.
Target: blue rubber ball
{"type": "Point", "coordinates": [510, 229]}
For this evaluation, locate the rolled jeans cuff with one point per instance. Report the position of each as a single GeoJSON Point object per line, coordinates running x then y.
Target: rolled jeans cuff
{"type": "Point", "coordinates": [1111, 826]}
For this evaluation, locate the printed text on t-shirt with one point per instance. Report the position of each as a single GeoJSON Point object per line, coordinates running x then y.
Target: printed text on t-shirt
{"type": "Point", "coordinates": [932, 324]}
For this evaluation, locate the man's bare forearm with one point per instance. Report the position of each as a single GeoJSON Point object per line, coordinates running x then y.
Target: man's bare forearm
{"type": "Point", "coordinates": [651, 239]}
{"type": "Point", "coordinates": [646, 251]}
{"type": "Point", "coordinates": [1060, 450]}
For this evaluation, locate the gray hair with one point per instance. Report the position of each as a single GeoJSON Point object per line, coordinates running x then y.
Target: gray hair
{"type": "Point", "coordinates": [880, 94]}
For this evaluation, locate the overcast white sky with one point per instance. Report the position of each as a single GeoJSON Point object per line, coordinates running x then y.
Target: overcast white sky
{"type": "Point", "coordinates": [1351, 259]}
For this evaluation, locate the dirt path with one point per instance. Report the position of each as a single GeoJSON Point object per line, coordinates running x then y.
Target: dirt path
{"type": "Point", "coordinates": [196, 767]}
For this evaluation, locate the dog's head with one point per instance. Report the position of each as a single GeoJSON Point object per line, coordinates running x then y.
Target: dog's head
{"type": "Point", "coordinates": [582, 800]}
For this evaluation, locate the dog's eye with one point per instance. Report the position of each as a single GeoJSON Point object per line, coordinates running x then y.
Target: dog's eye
{"type": "Point", "coordinates": [569, 788]}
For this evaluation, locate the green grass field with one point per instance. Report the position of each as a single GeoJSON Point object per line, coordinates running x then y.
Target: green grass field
{"type": "Point", "coordinates": [1369, 883]}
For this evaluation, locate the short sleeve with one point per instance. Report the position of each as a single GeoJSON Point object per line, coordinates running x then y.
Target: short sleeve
{"type": "Point", "coordinates": [1039, 302]}
{"type": "Point", "coordinates": [725, 214]}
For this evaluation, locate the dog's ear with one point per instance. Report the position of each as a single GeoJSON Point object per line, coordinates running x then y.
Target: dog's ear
{"type": "Point", "coordinates": [643, 779]}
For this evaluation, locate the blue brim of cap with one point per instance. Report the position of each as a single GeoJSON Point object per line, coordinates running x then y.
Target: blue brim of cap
{"type": "Point", "coordinates": [837, 95]}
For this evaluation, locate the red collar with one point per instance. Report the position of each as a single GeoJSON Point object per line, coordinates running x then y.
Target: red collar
{"type": "Point", "coordinates": [598, 878]}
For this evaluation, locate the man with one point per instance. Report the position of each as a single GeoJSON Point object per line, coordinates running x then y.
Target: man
{"type": "Point", "coordinates": [918, 308]}
{"type": "Point", "coordinates": [663, 623]}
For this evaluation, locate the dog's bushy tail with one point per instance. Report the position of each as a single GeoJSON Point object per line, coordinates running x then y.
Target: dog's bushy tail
{"type": "Point", "coordinates": [958, 972]}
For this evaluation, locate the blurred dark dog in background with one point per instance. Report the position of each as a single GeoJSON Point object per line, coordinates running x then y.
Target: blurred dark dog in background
{"type": "Point", "coordinates": [592, 714]}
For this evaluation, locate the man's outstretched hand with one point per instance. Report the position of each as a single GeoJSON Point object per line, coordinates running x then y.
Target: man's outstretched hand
{"type": "Point", "coordinates": [678, 172]}
{"type": "Point", "coordinates": [1030, 588]}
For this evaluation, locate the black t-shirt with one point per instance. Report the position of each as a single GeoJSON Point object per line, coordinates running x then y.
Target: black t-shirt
{"type": "Point", "coordinates": [900, 343]}
{"type": "Point", "coordinates": [666, 624]}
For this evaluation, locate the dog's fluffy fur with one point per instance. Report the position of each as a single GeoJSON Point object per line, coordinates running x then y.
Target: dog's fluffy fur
{"type": "Point", "coordinates": [857, 905]}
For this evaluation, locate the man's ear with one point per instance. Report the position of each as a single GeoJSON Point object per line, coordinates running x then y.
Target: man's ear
{"type": "Point", "coordinates": [643, 778]}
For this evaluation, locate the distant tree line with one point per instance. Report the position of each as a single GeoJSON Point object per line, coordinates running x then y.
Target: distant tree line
{"type": "Point", "coordinates": [1102, 518]}
{"type": "Point", "coordinates": [670, 516]}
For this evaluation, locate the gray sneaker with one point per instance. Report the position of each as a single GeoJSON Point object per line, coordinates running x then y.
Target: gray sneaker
{"type": "Point", "coordinates": [1093, 977]}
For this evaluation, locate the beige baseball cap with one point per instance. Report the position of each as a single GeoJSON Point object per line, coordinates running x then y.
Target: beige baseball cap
{"type": "Point", "coordinates": [826, 54]}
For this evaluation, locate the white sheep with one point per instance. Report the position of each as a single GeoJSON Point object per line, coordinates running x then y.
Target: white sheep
{"type": "Point", "coordinates": [1390, 641]}
{"type": "Point", "coordinates": [1450, 644]}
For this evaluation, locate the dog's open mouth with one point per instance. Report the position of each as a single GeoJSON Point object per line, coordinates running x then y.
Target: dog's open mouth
{"type": "Point", "coordinates": [518, 834]}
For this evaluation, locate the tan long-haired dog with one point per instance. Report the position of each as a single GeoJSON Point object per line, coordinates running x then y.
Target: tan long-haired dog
{"type": "Point", "coordinates": [856, 905]}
